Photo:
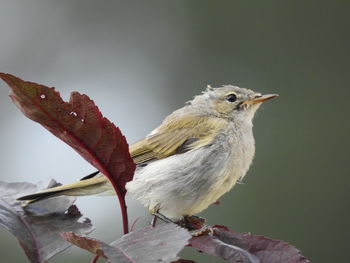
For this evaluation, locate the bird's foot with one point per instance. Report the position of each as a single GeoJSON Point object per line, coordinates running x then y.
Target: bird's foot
{"type": "Point", "coordinates": [204, 230]}
{"type": "Point", "coordinates": [193, 222]}
{"type": "Point", "coordinates": [195, 225]}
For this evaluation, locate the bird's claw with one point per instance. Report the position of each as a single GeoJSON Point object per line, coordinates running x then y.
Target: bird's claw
{"type": "Point", "coordinates": [204, 230]}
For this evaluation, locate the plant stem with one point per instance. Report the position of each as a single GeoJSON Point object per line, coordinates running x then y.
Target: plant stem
{"type": "Point", "coordinates": [95, 259]}
{"type": "Point", "coordinates": [154, 221]}
{"type": "Point", "coordinates": [124, 212]}
{"type": "Point", "coordinates": [123, 207]}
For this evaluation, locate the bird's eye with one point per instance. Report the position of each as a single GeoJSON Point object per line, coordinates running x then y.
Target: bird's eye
{"type": "Point", "coordinates": [231, 97]}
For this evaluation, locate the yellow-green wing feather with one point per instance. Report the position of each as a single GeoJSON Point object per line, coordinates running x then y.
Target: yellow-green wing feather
{"type": "Point", "coordinates": [176, 136]}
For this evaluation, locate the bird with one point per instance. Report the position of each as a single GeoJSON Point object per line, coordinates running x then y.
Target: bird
{"type": "Point", "coordinates": [197, 154]}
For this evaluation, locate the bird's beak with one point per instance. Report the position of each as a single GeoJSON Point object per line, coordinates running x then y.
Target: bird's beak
{"type": "Point", "coordinates": [260, 99]}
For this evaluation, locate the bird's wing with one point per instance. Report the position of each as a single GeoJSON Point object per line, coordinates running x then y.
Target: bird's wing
{"type": "Point", "coordinates": [176, 136]}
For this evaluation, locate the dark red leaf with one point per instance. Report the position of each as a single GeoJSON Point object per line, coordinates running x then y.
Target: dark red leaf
{"type": "Point", "coordinates": [245, 248]}
{"type": "Point", "coordinates": [147, 245]}
{"type": "Point", "coordinates": [80, 124]}
{"type": "Point", "coordinates": [89, 244]}
{"type": "Point", "coordinates": [38, 227]}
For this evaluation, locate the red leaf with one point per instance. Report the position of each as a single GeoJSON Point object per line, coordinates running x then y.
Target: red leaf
{"type": "Point", "coordinates": [38, 227]}
{"type": "Point", "coordinates": [147, 245]}
{"type": "Point", "coordinates": [89, 244]}
{"type": "Point", "coordinates": [80, 124]}
{"type": "Point", "coordinates": [245, 248]}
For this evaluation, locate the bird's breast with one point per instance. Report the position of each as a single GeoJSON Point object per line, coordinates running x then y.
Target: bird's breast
{"type": "Point", "coordinates": [240, 149]}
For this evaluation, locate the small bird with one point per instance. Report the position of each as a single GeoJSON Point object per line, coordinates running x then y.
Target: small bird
{"type": "Point", "coordinates": [196, 155]}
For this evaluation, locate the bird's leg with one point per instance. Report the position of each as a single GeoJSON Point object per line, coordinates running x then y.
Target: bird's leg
{"type": "Point", "coordinates": [155, 211]}
{"type": "Point", "coordinates": [163, 217]}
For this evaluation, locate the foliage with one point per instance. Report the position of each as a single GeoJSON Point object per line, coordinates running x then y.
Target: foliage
{"type": "Point", "coordinates": [246, 248]}
{"type": "Point", "coordinates": [37, 227]}
{"type": "Point", "coordinates": [80, 124]}
{"type": "Point", "coordinates": [147, 245]}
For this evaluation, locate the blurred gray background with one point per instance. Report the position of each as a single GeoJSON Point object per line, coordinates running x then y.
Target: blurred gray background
{"type": "Point", "coordinates": [140, 60]}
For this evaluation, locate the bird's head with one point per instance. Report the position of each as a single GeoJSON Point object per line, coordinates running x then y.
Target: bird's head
{"type": "Point", "coordinates": [230, 102]}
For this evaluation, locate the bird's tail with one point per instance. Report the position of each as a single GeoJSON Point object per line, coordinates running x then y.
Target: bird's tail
{"type": "Point", "coordinates": [89, 185]}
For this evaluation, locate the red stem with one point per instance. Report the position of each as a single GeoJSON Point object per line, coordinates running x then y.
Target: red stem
{"type": "Point", "coordinates": [154, 221]}
{"type": "Point", "coordinates": [124, 212]}
{"type": "Point", "coordinates": [95, 259]}
{"type": "Point", "coordinates": [121, 198]}
{"type": "Point", "coordinates": [123, 207]}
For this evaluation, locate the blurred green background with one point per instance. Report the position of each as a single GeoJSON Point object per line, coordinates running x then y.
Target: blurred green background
{"type": "Point", "coordinates": [140, 60]}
